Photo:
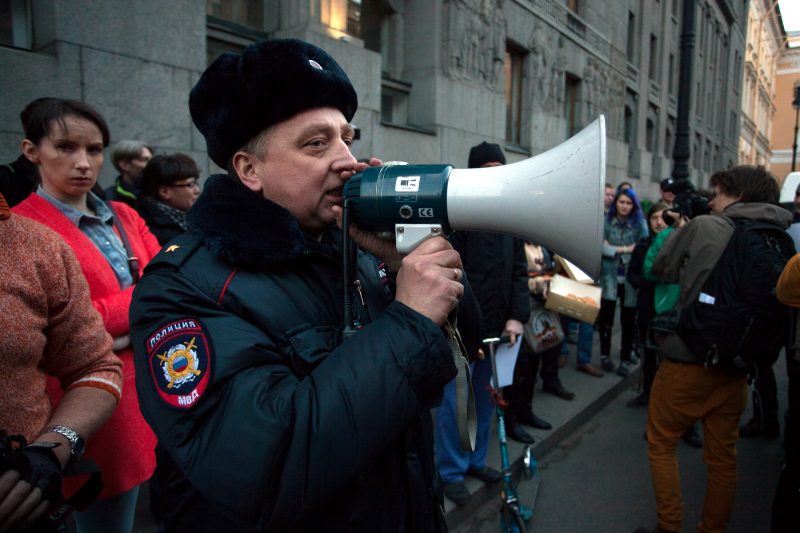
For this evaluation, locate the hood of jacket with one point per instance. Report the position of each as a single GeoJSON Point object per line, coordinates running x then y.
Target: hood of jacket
{"type": "Point", "coordinates": [760, 211]}
{"type": "Point", "coordinates": [242, 226]}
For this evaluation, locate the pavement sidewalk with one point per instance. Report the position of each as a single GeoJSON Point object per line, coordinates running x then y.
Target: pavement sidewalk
{"type": "Point", "coordinates": [592, 394]}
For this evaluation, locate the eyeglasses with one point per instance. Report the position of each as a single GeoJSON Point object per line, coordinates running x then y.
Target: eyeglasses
{"type": "Point", "coordinates": [190, 185]}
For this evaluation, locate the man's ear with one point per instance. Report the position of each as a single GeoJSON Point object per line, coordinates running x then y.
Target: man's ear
{"type": "Point", "coordinates": [30, 151]}
{"type": "Point", "coordinates": [246, 167]}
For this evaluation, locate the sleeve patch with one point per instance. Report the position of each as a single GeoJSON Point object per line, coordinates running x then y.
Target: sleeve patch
{"type": "Point", "coordinates": [179, 356]}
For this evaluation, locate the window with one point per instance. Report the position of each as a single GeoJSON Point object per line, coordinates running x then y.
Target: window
{"type": "Point", "coordinates": [394, 101]}
{"type": "Point", "coordinates": [512, 70]}
{"type": "Point", "coordinates": [572, 93]}
{"type": "Point", "coordinates": [630, 126]}
{"type": "Point", "coordinates": [379, 27]}
{"type": "Point", "coordinates": [631, 48]}
{"type": "Point", "coordinates": [572, 5]}
{"type": "Point", "coordinates": [15, 24]}
{"type": "Point", "coordinates": [653, 64]}
{"type": "Point", "coordinates": [650, 135]}
{"type": "Point", "coordinates": [671, 74]}
{"type": "Point", "coordinates": [248, 13]}
{"type": "Point", "coordinates": [354, 18]}
{"type": "Point", "coordinates": [668, 142]}
{"type": "Point", "coordinates": [232, 25]}
{"type": "Point", "coordinates": [737, 71]}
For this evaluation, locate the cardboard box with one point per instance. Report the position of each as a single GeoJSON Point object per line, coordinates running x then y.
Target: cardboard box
{"type": "Point", "coordinates": [574, 299]}
{"type": "Point", "coordinates": [571, 270]}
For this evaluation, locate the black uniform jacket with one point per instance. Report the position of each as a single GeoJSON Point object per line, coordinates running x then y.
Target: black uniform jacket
{"type": "Point", "coordinates": [267, 420]}
{"type": "Point", "coordinates": [498, 273]}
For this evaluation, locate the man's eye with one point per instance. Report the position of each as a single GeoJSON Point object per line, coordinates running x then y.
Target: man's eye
{"type": "Point", "coordinates": [348, 141]}
{"type": "Point", "coordinates": [316, 143]}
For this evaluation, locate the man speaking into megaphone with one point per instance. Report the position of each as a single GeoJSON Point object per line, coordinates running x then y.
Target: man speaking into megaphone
{"type": "Point", "coordinates": [267, 419]}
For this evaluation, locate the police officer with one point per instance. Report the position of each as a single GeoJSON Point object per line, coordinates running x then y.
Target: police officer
{"type": "Point", "coordinates": [267, 419]}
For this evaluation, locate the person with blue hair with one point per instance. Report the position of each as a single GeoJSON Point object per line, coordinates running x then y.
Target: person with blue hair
{"type": "Point", "coordinates": [624, 227]}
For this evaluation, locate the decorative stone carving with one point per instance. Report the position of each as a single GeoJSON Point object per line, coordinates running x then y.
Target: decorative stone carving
{"type": "Point", "coordinates": [476, 41]}
{"type": "Point", "coordinates": [590, 92]}
{"type": "Point", "coordinates": [540, 71]}
{"type": "Point", "coordinates": [557, 85]}
{"type": "Point", "coordinates": [615, 103]}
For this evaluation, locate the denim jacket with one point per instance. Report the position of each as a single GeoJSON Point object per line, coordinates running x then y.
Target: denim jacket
{"type": "Point", "coordinates": [614, 266]}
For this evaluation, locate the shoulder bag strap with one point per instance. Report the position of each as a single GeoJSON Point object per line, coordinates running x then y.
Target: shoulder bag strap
{"type": "Point", "coordinates": [133, 261]}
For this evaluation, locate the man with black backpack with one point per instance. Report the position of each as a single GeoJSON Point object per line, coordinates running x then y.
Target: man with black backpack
{"type": "Point", "coordinates": [730, 323]}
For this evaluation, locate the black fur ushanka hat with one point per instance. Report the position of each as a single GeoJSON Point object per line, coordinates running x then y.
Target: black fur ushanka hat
{"type": "Point", "coordinates": [239, 96]}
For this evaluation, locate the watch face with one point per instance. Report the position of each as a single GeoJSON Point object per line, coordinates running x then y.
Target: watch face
{"type": "Point", "coordinates": [79, 447]}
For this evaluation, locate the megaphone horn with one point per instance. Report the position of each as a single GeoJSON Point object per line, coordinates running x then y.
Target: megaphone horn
{"type": "Point", "coordinates": [554, 199]}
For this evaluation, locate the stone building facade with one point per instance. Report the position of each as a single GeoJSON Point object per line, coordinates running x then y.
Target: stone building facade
{"type": "Point", "coordinates": [434, 77]}
{"type": "Point", "coordinates": [763, 48]}
{"type": "Point", "coordinates": [784, 124]}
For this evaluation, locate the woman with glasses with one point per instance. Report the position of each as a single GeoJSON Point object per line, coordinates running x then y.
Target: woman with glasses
{"type": "Point", "coordinates": [169, 189]}
{"type": "Point", "coordinates": [65, 139]}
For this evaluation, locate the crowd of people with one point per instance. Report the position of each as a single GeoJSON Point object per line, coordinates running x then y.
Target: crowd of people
{"type": "Point", "coordinates": [195, 342]}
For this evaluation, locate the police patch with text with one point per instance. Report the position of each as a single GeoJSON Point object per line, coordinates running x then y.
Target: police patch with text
{"type": "Point", "coordinates": [180, 361]}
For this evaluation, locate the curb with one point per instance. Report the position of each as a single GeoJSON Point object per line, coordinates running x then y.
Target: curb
{"type": "Point", "coordinates": [483, 493]}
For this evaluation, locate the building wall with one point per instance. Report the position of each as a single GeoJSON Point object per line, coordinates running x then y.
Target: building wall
{"type": "Point", "coordinates": [134, 61]}
{"type": "Point", "coordinates": [763, 47]}
{"type": "Point", "coordinates": [430, 75]}
{"type": "Point", "coordinates": [787, 76]}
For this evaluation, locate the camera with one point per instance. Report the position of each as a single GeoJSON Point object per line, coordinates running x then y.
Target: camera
{"type": "Point", "coordinates": [688, 202]}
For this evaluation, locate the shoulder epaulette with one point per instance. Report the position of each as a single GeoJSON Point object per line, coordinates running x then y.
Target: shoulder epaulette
{"type": "Point", "coordinates": [176, 251]}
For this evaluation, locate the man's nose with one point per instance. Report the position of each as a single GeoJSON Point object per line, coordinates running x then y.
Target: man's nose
{"type": "Point", "coordinates": [344, 159]}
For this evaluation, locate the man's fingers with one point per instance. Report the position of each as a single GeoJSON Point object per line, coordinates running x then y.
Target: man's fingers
{"type": "Point", "coordinates": [37, 513]}
{"type": "Point", "coordinates": [29, 504]}
{"type": "Point", "coordinates": [431, 246]}
{"type": "Point", "coordinates": [11, 503]}
{"type": "Point", "coordinates": [7, 482]}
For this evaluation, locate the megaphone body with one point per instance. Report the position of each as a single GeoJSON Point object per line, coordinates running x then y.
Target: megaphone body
{"type": "Point", "coordinates": [553, 199]}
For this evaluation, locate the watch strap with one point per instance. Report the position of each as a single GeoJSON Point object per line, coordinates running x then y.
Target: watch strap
{"type": "Point", "coordinates": [76, 444]}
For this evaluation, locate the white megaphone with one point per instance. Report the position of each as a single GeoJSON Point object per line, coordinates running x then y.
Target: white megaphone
{"type": "Point", "coordinates": [553, 199]}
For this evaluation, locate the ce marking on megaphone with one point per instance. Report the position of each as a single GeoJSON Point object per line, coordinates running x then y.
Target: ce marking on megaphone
{"type": "Point", "coordinates": [425, 212]}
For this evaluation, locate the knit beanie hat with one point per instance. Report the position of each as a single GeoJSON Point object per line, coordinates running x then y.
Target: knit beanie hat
{"type": "Point", "coordinates": [485, 153]}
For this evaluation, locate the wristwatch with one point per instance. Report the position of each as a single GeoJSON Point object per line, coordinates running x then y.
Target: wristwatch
{"type": "Point", "coordinates": [76, 444]}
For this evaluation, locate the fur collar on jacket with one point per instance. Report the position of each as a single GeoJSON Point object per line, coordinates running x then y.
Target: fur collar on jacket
{"type": "Point", "coordinates": [243, 227]}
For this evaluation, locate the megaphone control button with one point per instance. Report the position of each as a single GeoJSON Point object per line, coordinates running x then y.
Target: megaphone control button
{"type": "Point", "coordinates": [406, 211]}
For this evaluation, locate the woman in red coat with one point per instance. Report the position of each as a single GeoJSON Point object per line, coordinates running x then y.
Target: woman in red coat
{"type": "Point", "coordinates": [65, 139]}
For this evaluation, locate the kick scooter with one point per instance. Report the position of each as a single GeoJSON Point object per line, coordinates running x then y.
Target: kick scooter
{"type": "Point", "coordinates": [513, 514]}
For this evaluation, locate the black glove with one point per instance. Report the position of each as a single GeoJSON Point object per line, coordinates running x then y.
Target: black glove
{"type": "Point", "coordinates": [39, 466]}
